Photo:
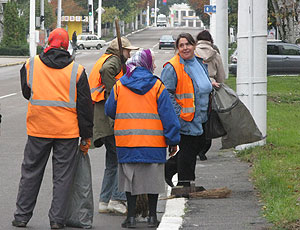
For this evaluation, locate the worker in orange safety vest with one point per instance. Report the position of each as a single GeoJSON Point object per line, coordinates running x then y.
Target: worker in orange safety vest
{"type": "Point", "coordinates": [59, 112]}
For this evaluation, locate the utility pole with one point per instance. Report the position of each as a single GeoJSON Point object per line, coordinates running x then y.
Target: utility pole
{"type": "Point", "coordinates": [99, 17]}
{"type": "Point", "coordinates": [148, 14]}
{"type": "Point", "coordinates": [221, 36]}
{"type": "Point", "coordinates": [59, 14]}
{"type": "Point", "coordinates": [252, 61]}
{"type": "Point", "coordinates": [91, 17]}
{"type": "Point", "coordinates": [155, 12]}
{"type": "Point", "coordinates": [32, 45]}
{"type": "Point", "coordinates": [42, 15]}
{"type": "Point", "coordinates": [213, 21]}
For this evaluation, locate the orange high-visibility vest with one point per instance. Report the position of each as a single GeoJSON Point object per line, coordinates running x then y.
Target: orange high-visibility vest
{"type": "Point", "coordinates": [137, 122]}
{"type": "Point", "coordinates": [184, 94]}
{"type": "Point", "coordinates": [95, 82]}
{"type": "Point", "coordinates": [52, 104]}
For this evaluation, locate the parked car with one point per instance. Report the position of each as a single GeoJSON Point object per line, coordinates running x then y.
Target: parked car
{"type": "Point", "coordinates": [166, 41]}
{"type": "Point", "coordinates": [282, 58]}
{"type": "Point", "coordinates": [89, 41]}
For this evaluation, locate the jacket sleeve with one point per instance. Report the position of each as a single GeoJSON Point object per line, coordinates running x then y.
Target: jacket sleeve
{"type": "Point", "coordinates": [169, 78]}
{"type": "Point", "coordinates": [110, 69]}
{"type": "Point", "coordinates": [26, 91]}
{"type": "Point", "coordinates": [168, 118]}
{"type": "Point", "coordinates": [84, 107]}
{"type": "Point", "coordinates": [111, 105]}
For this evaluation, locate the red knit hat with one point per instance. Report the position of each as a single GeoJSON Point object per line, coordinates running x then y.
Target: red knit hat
{"type": "Point", "coordinates": [58, 38]}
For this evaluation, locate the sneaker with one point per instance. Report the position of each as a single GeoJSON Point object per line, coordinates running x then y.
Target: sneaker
{"type": "Point", "coordinates": [117, 207]}
{"type": "Point", "coordinates": [103, 207]}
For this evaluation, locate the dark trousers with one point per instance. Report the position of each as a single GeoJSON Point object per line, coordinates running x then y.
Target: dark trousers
{"type": "Point", "coordinates": [36, 154]}
{"type": "Point", "coordinates": [184, 162]}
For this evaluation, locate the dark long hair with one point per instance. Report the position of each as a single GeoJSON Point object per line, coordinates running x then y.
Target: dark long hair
{"type": "Point", "coordinates": [187, 36]}
{"type": "Point", "coordinates": [205, 35]}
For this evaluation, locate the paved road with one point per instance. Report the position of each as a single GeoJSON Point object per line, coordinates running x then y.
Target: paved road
{"type": "Point", "coordinates": [13, 107]}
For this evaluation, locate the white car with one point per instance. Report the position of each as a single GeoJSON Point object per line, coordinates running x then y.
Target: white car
{"type": "Point", "coordinates": [88, 41]}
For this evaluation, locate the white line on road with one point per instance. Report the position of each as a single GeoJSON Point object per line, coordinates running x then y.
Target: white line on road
{"type": "Point", "coordinates": [8, 95]}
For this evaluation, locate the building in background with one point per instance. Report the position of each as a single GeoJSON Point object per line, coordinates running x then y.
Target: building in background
{"type": "Point", "coordinates": [183, 15]}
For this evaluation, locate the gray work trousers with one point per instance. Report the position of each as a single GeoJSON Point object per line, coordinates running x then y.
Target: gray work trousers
{"type": "Point", "coordinates": [36, 154]}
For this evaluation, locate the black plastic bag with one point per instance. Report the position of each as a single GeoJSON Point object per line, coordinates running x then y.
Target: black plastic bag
{"type": "Point", "coordinates": [235, 118]}
{"type": "Point", "coordinates": [80, 210]}
{"type": "Point", "coordinates": [213, 127]}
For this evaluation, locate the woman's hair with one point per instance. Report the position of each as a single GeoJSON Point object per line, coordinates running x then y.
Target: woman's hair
{"type": "Point", "coordinates": [205, 35]}
{"type": "Point", "coordinates": [187, 36]}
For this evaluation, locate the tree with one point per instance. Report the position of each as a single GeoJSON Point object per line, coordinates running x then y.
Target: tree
{"type": "Point", "coordinates": [233, 14]}
{"type": "Point", "coordinates": [198, 6]}
{"type": "Point", "coordinates": [24, 9]}
{"type": "Point", "coordinates": [14, 28]}
{"type": "Point", "coordinates": [287, 17]}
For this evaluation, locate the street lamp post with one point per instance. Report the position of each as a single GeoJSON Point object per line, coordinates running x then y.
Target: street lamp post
{"type": "Point", "coordinates": [221, 36]}
{"type": "Point", "coordinates": [155, 13]}
{"type": "Point", "coordinates": [32, 45]}
{"type": "Point", "coordinates": [99, 17]}
{"type": "Point", "coordinates": [58, 14]}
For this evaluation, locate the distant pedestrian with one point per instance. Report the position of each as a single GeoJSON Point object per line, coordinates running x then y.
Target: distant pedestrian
{"type": "Point", "coordinates": [59, 112]}
{"type": "Point", "coordinates": [105, 73]}
{"type": "Point", "coordinates": [186, 78]}
{"type": "Point", "coordinates": [205, 49]}
{"type": "Point", "coordinates": [145, 123]}
{"type": "Point", "coordinates": [74, 39]}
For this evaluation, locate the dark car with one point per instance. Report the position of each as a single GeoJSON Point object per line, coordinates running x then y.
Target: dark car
{"type": "Point", "coordinates": [282, 58]}
{"type": "Point", "coordinates": [166, 41]}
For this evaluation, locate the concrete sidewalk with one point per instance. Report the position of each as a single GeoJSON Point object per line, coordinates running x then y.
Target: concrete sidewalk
{"type": "Point", "coordinates": [241, 211]}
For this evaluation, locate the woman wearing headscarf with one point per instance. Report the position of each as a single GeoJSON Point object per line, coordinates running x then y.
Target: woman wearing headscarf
{"type": "Point", "coordinates": [186, 78]}
{"type": "Point", "coordinates": [145, 124]}
{"type": "Point", "coordinates": [205, 49]}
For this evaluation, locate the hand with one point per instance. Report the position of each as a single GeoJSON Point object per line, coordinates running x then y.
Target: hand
{"type": "Point", "coordinates": [85, 145]}
{"type": "Point", "coordinates": [215, 84]}
{"type": "Point", "coordinates": [172, 150]}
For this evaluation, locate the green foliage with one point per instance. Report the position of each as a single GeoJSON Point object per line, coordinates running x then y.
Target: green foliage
{"type": "Point", "coordinates": [275, 168]}
{"type": "Point", "coordinates": [14, 31]}
{"type": "Point", "coordinates": [14, 50]}
{"type": "Point", "coordinates": [110, 14]}
{"type": "Point", "coordinates": [25, 10]}
{"type": "Point", "coordinates": [233, 14]}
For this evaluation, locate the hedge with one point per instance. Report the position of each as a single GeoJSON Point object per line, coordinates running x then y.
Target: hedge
{"type": "Point", "coordinates": [17, 50]}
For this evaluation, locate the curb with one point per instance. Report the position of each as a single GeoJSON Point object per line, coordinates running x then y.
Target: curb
{"type": "Point", "coordinates": [172, 218]}
{"type": "Point", "coordinates": [13, 63]}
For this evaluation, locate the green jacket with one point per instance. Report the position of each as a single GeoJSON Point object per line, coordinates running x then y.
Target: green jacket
{"type": "Point", "coordinates": [103, 125]}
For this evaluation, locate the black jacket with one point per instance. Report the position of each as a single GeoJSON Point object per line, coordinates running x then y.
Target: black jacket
{"type": "Point", "coordinates": [59, 59]}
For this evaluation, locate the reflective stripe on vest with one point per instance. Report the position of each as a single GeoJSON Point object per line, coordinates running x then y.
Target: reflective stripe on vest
{"type": "Point", "coordinates": [138, 126]}
{"type": "Point", "coordinates": [70, 104]}
{"type": "Point", "coordinates": [52, 109]}
{"type": "Point", "coordinates": [184, 94]}
{"type": "Point", "coordinates": [95, 81]}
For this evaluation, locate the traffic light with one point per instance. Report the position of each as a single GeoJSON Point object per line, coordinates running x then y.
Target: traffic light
{"type": "Point", "coordinates": [42, 18]}
{"type": "Point", "coordinates": [90, 10]}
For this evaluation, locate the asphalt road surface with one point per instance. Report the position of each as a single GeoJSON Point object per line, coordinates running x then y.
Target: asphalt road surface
{"type": "Point", "coordinates": [13, 108]}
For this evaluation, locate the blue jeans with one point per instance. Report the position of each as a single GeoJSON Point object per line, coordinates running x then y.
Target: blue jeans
{"type": "Point", "coordinates": [109, 190]}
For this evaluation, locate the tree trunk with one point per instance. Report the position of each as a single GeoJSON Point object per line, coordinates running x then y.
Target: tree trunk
{"type": "Point", "coordinates": [287, 19]}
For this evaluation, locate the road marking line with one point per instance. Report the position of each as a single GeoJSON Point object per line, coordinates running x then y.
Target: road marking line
{"type": "Point", "coordinates": [8, 95]}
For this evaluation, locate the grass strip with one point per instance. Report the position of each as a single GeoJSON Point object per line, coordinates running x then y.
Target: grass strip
{"type": "Point", "coordinates": [276, 166]}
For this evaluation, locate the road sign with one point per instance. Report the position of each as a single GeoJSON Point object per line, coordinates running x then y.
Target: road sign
{"type": "Point", "coordinates": [210, 9]}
